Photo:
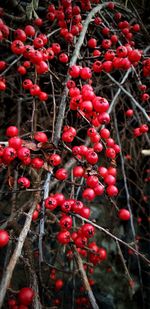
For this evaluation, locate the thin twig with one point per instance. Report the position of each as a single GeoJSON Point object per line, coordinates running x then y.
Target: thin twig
{"type": "Point", "coordinates": [17, 252]}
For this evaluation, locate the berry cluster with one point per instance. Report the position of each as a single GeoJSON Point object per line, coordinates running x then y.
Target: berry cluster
{"type": "Point", "coordinates": [83, 164]}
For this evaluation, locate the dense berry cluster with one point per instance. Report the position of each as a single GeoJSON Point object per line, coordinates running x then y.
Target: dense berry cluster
{"type": "Point", "coordinates": [87, 135]}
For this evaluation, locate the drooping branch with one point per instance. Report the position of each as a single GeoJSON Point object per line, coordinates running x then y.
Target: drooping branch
{"type": "Point", "coordinates": [130, 96]}
{"type": "Point", "coordinates": [113, 237]}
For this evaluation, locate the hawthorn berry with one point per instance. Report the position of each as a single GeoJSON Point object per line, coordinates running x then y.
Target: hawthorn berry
{"type": "Point", "coordinates": [4, 238]}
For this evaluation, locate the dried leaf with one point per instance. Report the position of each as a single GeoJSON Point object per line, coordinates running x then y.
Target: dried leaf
{"type": "Point", "coordinates": [46, 146]}
{"type": "Point", "coordinates": [47, 167]}
{"type": "Point", "coordinates": [10, 182]}
{"type": "Point", "coordinates": [30, 145]}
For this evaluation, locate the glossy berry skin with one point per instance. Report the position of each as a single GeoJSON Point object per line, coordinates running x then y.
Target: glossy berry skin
{"type": "Point", "coordinates": [134, 55]}
{"type": "Point", "coordinates": [56, 48]}
{"type": "Point", "coordinates": [63, 58]}
{"type": "Point", "coordinates": [15, 142]}
{"type": "Point", "coordinates": [67, 136]}
{"type": "Point", "coordinates": [78, 171]}
{"type": "Point", "coordinates": [9, 154]}
{"type": "Point", "coordinates": [54, 159]}
{"type": "Point", "coordinates": [92, 181]}
{"type": "Point", "coordinates": [23, 153]}
{"type": "Point", "coordinates": [88, 194]}
{"type": "Point", "coordinates": [26, 296]}
{"type": "Point", "coordinates": [110, 180]}
{"type": "Point", "coordinates": [129, 113]}
{"type": "Point", "coordinates": [27, 84]}
{"type": "Point", "coordinates": [35, 215]}
{"type": "Point", "coordinates": [74, 71]}
{"type": "Point", "coordinates": [37, 163]}
{"type": "Point", "coordinates": [110, 153]}
{"type": "Point", "coordinates": [20, 34]}
{"type": "Point", "coordinates": [92, 43]}
{"type": "Point", "coordinates": [24, 182]}
{"type": "Point", "coordinates": [99, 190]}
{"type": "Point", "coordinates": [66, 222]}
{"type": "Point", "coordinates": [17, 47]}
{"type": "Point", "coordinates": [2, 86]}
{"type": "Point", "coordinates": [4, 238]}
{"type": "Point", "coordinates": [42, 67]}
{"type": "Point", "coordinates": [88, 230]}
{"type": "Point", "coordinates": [144, 128]}
{"type": "Point", "coordinates": [102, 254]}
{"type": "Point", "coordinates": [104, 133]}
{"type": "Point", "coordinates": [40, 137]}
{"type": "Point", "coordinates": [77, 207]}
{"type": "Point", "coordinates": [11, 302]}
{"type": "Point", "coordinates": [59, 198]}
{"type": "Point", "coordinates": [92, 157]}
{"type": "Point", "coordinates": [43, 96]}
{"type": "Point", "coordinates": [80, 241]}
{"type": "Point", "coordinates": [121, 51]}
{"type": "Point", "coordinates": [66, 206]}
{"type": "Point", "coordinates": [85, 212]}
{"type": "Point", "coordinates": [59, 284]}
{"type": "Point", "coordinates": [124, 214]}
{"type": "Point", "coordinates": [35, 90]}
{"type": "Point", "coordinates": [112, 190]}
{"type": "Point", "coordinates": [29, 30]}
{"type": "Point", "coordinates": [85, 73]}
{"type": "Point", "coordinates": [63, 237]}
{"type": "Point", "coordinates": [61, 174]}
{"type": "Point", "coordinates": [12, 131]}
{"type": "Point", "coordinates": [51, 203]}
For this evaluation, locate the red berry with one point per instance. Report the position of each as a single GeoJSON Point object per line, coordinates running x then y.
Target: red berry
{"type": "Point", "coordinates": [17, 47]}
{"type": "Point", "coordinates": [54, 159]}
{"type": "Point", "coordinates": [88, 230]}
{"type": "Point", "coordinates": [51, 203]}
{"type": "Point", "coordinates": [92, 157]}
{"type": "Point", "coordinates": [20, 34]}
{"type": "Point", "coordinates": [129, 113]}
{"type": "Point", "coordinates": [124, 214]}
{"type": "Point", "coordinates": [23, 153]}
{"type": "Point", "coordinates": [12, 131]}
{"type": "Point", "coordinates": [9, 154]}
{"type": "Point", "coordinates": [63, 237]}
{"type": "Point", "coordinates": [59, 284]}
{"type": "Point", "coordinates": [74, 71]}
{"type": "Point", "coordinates": [4, 238]}
{"type": "Point", "coordinates": [85, 73]}
{"type": "Point", "coordinates": [78, 171]}
{"type": "Point", "coordinates": [40, 137]}
{"type": "Point", "coordinates": [29, 30]}
{"type": "Point", "coordinates": [37, 163]}
{"type": "Point", "coordinates": [35, 215]}
{"type": "Point", "coordinates": [88, 194]}
{"type": "Point", "coordinates": [63, 58]}
{"type": "Point", "coordinates": [24, 182]}
{"type": "Point", "coordinates": [92, 43]}
{"type": "Point", "coordinates": [112, 190]}
{"type": "Point", "coordinates": [134, 55]}
{"type": "Point", "coordinates": [102, 254]}
{"type": "Point", "coordinates": [61, 174]}
{"type": "Point", "coordinates": [26, 296]}
{"type": "Point", "coordinates": [66, 222]}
